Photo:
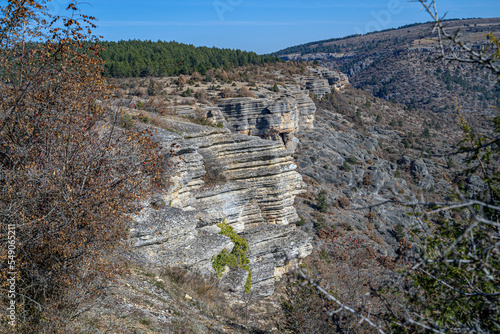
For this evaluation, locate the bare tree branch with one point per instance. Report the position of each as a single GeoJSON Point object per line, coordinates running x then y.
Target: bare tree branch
{"type": "Point", "coordinates": [308, 280]}
{"type": "Point", "coordinates": [482, 59]}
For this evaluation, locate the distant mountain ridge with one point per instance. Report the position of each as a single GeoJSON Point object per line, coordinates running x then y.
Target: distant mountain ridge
{"type": "Point", "coordinates": [399, 65]}
{"type": "Point", "coordinates": [322, 45]}
{"type": "Point", "coordinates": [316, 46]}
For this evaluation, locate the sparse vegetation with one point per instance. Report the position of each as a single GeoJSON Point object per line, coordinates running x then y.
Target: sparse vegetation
{"type": "Point", "coordinates": [301, 222]}
{"type": "Point", "coordinates": [441, 285]}
{"type": "Point", "coordinates": [367, 180]}
{"type": "Point", "coordinates": [275, 88]}
{"type": "Point", "coordinates": [205, 121]}
{"type": "Point", "coordinates": [126, 121]}
{"type": "Point", "coordinates": [343, 202]}
{"type": "Point", "coordinates": [399, 232]}
{"type": "Point", "coordinates": [352, 160]}
{"type": "Point", "coordinates": [393, 61]}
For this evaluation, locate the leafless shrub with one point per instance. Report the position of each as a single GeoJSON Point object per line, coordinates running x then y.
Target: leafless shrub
{"type": "Point", "coordinates": [343, 202]}
{"type": "Point", "coordinates": [226, 93]}
{"type": "Point", "coordinates": [367, 180]}
{"type": "Point", "coordinates": [336, 290]}
{"type": "Point", "coordinates": [201, 287]}
{"type": "Point", "coordinates": [69, 175]}
{"type": "Point", "coordinates": [244, 92]}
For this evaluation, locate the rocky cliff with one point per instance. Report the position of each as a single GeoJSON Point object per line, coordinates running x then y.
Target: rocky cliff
{"type": "Point", "coordinates": [216, 175]}
{"type": "Point", "coordinates": [281, 115]}
{"type": "Point", "coordinates": [246, 174]}
{"type": "Point", "coordinates": [276, 116]}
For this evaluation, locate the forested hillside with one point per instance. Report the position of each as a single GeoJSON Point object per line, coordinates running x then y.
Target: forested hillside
{"type": "Point", "coordinates": [334, 45]}
{"type": "Point", "coordinates": [136, 58]}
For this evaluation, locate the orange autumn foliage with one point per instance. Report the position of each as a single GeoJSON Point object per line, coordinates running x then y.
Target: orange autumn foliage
{"type": "Point", "coordinates": [69, 175]}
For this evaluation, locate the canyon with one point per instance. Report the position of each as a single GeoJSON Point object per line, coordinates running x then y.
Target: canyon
{"type": "Point", "coordinates": [246, 174]}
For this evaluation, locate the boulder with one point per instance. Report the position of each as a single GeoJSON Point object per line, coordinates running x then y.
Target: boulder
{"type": "Point", "coordinates": [418, 168]}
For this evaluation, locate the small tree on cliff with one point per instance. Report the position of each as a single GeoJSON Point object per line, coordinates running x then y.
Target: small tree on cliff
{"type": "Point", "coordinates": [68, 175]}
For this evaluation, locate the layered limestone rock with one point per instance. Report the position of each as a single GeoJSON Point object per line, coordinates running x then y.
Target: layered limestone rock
{"type": "Point", "coordinates": [336, 79]}
{"type": "Point", "coordinates": [216, 175]}
{"type": "Point", "coordinates": [275, 116]}
{"type": "Point", "coordinates": [272, 247]}
{"type": "Point", "coordinates": [173, 237]}
{"type": "Point", "coordinates": [243, 174]}
{"type": "Point", "coordinates": [322, 81]}
{"type": "Point", "coordinates": [249, 180]}
{"type": "Point", "coordinates": [317, 86]}
{"type": "Point", "coordinates": [307, 110]}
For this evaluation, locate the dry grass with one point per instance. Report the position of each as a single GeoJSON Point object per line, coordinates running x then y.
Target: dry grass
{"type": "Point", "coordinates": [202, 288]}
{"type": "Point", "coordinates": [343, 202]}
{"type": "Point", "coordinates": [244, 92]}
{"type": "Point", "coordinates": [136, 303]}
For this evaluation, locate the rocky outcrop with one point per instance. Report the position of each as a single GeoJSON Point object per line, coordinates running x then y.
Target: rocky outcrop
{"type": "Point", "coordinates": [216, 175]}
{"type": "Point", "coordinates": [272, 248]}
{"type": "Point", "coordinates": [419, 169]}
{"type": "Point", "coordinates": [420, 172]}
{"type": "Point", "coordinates": [335, 78]}
{"type": "Point", "coordinates": [318, 86]}
{"type": "Point", "coordinates": [244, 174]}
{"type": "Point", "coordinates": [307, 110]}
{"type": "Point", "coordinates": [275, 116]}
{"type": "Point", "coordinates": [246, 178]}
{"type": "Point", "coordinates": [173, 237]}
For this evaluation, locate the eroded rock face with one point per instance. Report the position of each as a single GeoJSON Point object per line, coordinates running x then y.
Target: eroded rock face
{"type": "Point", "coordinates": [176, 237]}
{"type": "Point", "coordinates": [418, 168]}
{"type": "Point", "coordinates": [345, 164]}
{"type": "Point", "coordinates": [317, 86]}
{"type": "Point", "coordinates": [336, 79]}
{"type": "Point", "coordinates": [248, 179]}
{"type": "Point", "coordinates": [215, 175]}
{"type": "Point", "coordinates": [243, 174]}
{"type": "Point", "coordinates": [272, 247]}
{"type": "Point", "coordinates": [275, 116]}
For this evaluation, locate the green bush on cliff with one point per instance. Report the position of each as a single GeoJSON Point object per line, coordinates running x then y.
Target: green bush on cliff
{"type": "Point", "coordinates": [321, 203]}
{"type": "Point", "coordinates": [236, 259]}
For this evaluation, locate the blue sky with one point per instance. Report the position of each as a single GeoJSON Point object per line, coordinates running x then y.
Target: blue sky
{"type": "Point", "coordinates": [262, 26]}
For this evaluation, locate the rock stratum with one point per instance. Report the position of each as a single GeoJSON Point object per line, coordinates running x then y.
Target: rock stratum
{"type": "Point", "coordinates": [216, 175]}
{"type": "Point", "coordinates": [247, 175]}
{"type": "Point", "coordinates": [276, 117]}
{"type": "Point", "coordinates": [243, 174]}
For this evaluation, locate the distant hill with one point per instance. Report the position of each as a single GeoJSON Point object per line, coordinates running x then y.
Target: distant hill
{"type": "Point", "coordinates": [400, 65]}
{"type": "Point", "coordinates": [136, 58]}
